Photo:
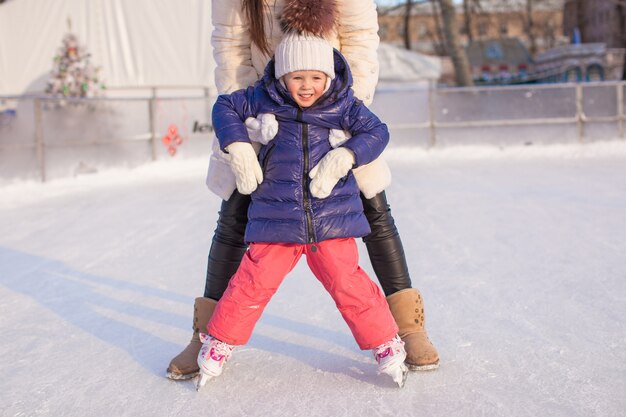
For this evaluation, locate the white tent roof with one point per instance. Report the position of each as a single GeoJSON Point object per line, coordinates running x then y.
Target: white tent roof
{"type": "Point", "coordinates": [137, 43]}
{"type": "Point", "coordinates": [402, 65]}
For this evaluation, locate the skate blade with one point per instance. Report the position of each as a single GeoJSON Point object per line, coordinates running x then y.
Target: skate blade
{"type": "Point", "coordinates": [428, 367]}
{"type": "Point", "coordinates": [399, 374]}
{"type": "Point", "coordinates": [204, 378]}
{"type": "Point", "coordinates": [180, 377]}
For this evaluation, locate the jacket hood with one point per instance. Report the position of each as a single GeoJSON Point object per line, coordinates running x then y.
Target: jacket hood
{"type": "Point", "coordinates": [339, 86]}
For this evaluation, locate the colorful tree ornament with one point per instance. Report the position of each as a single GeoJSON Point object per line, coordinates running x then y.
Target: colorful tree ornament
{"type": "Point", "coordinates": [73, 75]}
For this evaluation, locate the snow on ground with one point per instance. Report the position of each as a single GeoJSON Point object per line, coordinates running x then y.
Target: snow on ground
{"type": "Point", "coordinates": [518, 252]}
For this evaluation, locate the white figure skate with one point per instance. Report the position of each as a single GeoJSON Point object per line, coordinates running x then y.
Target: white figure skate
{"type": "Point", "coordinates": [211, 358]}
{"type": "Point", "coordinates": [390, 357]}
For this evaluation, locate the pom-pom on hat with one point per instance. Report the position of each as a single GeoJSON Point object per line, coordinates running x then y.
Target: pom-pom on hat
{"type": "Point", "coordinates": [305, 23]}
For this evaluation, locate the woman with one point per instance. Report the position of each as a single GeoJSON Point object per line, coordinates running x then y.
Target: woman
{"type": "Point", "coordinates": [245, 35]}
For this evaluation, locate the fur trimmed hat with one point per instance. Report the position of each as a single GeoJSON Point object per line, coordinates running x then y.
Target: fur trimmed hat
{"type": "Point", "coordinates": [305, 24]}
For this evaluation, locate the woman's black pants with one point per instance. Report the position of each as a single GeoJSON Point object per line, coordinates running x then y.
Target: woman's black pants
{"type": "Point", "coordinates": [383, 244]}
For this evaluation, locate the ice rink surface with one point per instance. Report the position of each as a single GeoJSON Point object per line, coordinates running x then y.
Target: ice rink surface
{"type": "Point", "coordinates": [519, 254]}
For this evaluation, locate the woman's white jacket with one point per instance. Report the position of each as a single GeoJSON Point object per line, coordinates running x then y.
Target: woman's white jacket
{"type": "Point", "coordinates": [239, 64]}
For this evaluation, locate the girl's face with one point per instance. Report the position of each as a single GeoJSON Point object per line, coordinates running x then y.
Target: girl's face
{"type": "Point", "coordinates": [305, 86]}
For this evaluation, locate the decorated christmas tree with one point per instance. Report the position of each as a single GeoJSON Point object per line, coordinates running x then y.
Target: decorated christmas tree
{"type": "Point", "coordinates": [73, 75]}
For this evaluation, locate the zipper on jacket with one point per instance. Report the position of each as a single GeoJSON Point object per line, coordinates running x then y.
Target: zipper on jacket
{"type": "Point", "coordinates": [305, 179]}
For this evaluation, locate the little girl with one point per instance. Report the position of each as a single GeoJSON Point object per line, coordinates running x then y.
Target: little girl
{"type": "Point", "coordinates": [305, 200]}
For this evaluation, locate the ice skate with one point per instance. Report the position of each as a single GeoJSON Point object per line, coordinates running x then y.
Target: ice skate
{"type": "Point", "coordinates": [213, 354]}
{"type": "Point", "coordinates": [390, 357]}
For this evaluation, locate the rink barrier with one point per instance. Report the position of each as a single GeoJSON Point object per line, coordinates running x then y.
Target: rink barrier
{"type": "Point", "coordinates": [417, 115]}
{"type": "Point", "coordinates": [148, 98]}
{"type": "Point", "coordinates": [575, 111]}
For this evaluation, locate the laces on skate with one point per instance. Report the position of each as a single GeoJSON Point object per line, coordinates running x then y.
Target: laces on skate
{"type": "Point", "coordinates": [211, 358]}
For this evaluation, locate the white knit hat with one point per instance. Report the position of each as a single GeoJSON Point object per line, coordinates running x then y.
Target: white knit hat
{"type": "Point", "coordinates": [303, 53]}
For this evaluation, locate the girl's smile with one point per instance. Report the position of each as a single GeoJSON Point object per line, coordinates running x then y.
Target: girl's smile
{"type": "Point", "coordinates": [306, 87]}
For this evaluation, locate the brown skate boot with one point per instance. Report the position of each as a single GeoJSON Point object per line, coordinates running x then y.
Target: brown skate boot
{"type": "Point", "coordinates": [407, 309]}
{"type": "Point", "coordinates": [185, 364]}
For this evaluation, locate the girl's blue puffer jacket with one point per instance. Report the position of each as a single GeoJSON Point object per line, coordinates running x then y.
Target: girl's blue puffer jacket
{"type": "Point", "coordinates": [282, 208]}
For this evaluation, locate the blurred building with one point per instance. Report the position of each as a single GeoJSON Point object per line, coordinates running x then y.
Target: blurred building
{"type": "Point", "coordinates": [498, 60]}
{"type": "Point", "coordinates": [495, 19]}
{"type": "Point", "coordinates": [596, 21]}
{"type": "Point", "coordinates": [597, 29]}
{"type": "Point", "coordinates": [580, 62]}
{"type": "Point", "coordinates": [507, 61]}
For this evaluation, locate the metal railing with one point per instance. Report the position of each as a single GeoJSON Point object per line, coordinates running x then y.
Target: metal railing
{"type": "Point", "coordinates": [151, 110]}
{"type": "Point", "coordinates": [578, 105]}
{"type": "Point", "coordinates": [417, 116]}
{"type": "Point", "coordinates": [580, 118]}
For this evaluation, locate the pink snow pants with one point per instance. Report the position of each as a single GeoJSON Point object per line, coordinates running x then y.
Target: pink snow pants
{"type": "Point", "coordinates": [335, 264]}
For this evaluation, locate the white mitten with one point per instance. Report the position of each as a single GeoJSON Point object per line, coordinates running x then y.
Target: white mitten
{"type": "Point", "coordinates": [330, 169]}
{"type": "Point", "coordinates": [269, 127]}
{"type": "Point", "coordinates": [245, 166]}
{"type": "Point", "coordinates": [263, 128]}
{"type": "Point", "coordinates": [253, 126]}
{"type": "Point", "coordinates": [338, 137]}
